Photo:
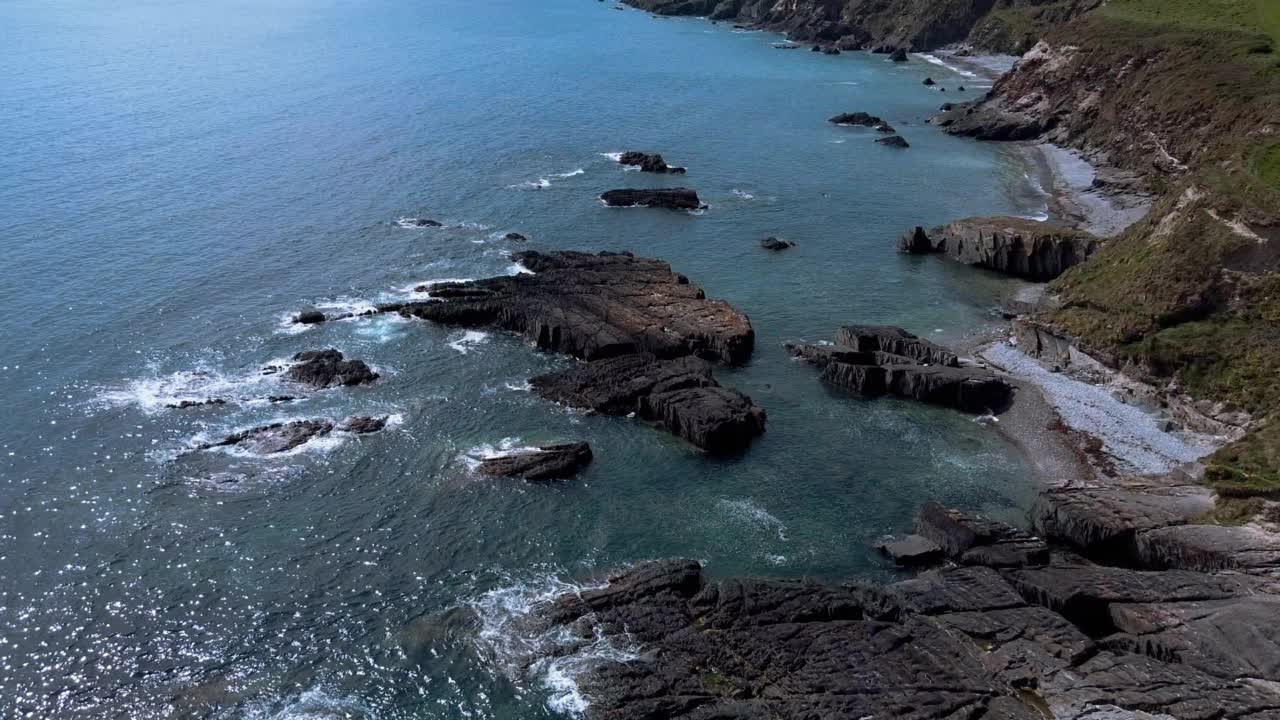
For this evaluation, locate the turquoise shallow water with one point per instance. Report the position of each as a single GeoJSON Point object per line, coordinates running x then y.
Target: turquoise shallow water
{"type": "Point", "coordinates": [180, 176]}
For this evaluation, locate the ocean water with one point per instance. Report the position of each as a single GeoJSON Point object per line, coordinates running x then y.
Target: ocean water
{"type": "Point", "coordinates": [178, 177]}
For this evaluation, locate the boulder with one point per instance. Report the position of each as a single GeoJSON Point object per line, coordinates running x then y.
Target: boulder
{"type": "Point", "coordinates": [929, 82]}
{"type": "Point", "coordinates": [899, 55]}
{"type": "Point", "coordinates": [549, 462]}
{"type": "Point", "coordinates": [856, 118]}
{"type": "Point", "coordinates": [773, 243]}
{"type": "Point", "coordinates": [680, 396]}
{"type": "Point", "coordinates": [1013, 246]}
{"type": "Point", "coordinates": [515, 237]}
{"type": "Point", "coordinates": [327, 368]}
{"type": "Point", "coordinates": [975, 540]}
{"type": "Point", "coordinates": [884, 127]}
{"type": "Point", "coordinates": [594, 306]}
{"type": "Point", "coordinates": [830, 50]}
{"type": "Point", "coordinates": [912, 550]}
{"type": "Point", "coordinates": [423, 222]}
{"type": "Point", "coordinates": [649, 163]}
{"type": "Point", "coordinates": [309, 317]}
{"type": "Point", "coordinates": [894, 141]}
{"type": "Point", "coordinates": [668, 198]}
{"type": "Point", "coordinates": [364, 424]}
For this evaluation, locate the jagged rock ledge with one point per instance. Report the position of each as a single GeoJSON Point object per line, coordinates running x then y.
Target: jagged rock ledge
{"type": "Point", "coordinates": [282, 437]}
{"type": "Point", "coordinates": [647, 162]}
{"type": "Point", "coordinates": [875, 360]}
{"type": "Point", "coordinates": [1010, 245]}
{"type": "Point", "coordinates": [549, 462]}
{"type": "Point", "coordinates": [666, 198]}
{"type": "Point", "coordinates": [1063, 640]}
{"type": "Point", "coordinates": [647, 333]}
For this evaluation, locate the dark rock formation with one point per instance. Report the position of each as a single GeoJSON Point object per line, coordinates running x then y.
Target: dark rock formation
{"type": "Point", "coordinates": [515, 237]}
{"type": "Point", "coordinates": [830, 50]}
{"type": "Point", "coordinates": [649, 163]}
{"type": "Point", "coordinates": [929, 81]}
{"type": "Point", "coordinates": [594, 306]}
{"type": "Point", "coordinates": [894, 141]}
{"type": "Point", "coordinates": [878, 360]}
{"type": "Point", "coordinates": [856, 118]}
{"type": "Point", "coordinates": [957, 642]}
{"type": "Point", "coordinates": [185, 404]}
{"type": "Point", "coordinates": [309, 317]}
{"type": "Point", "coordinates": [972, 540]}
{"type": "Point", "coordinates": [912, 550]}
{"type": "Point", "coordinates": [987, 122]}
{"type": "Point", "coordinates": [1014, 246]}
{"type": "Point", "coordinates": [327, 368]}
{"type": "Point", "coordinates": [773, 243]}
{"type": "Point", "coordinates": [884, 127]}
{"type": "Point", "coordinates": [550, 462]}
{"type": "Point", "coordinates": [647, 328]}
{"type": "Point", "coordinates": [364, 424]}
{"type": "Point", "coordinates": [423, 222]}
{"type": "Point", "coordinates": [679, 395]}
{"type": "Point", "coordinates": [899, 55]}
{"type": "Point", "coordinates": [669, 198]}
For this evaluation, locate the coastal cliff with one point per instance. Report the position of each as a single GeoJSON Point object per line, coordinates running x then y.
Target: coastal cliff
{"type": "Point", "coordinates": [885, 25]}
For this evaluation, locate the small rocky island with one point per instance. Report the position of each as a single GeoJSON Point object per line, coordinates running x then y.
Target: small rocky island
{"type": "Point", "coordinates": [668, 198]}
{"type": "Point", "coordinates": [876, 360]}
{"type": "Point", "coordinates": [647, 335]}
{"type": "Point", "coordinates": [649, 162]}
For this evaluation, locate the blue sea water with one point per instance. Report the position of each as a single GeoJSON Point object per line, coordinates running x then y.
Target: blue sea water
{"type": "Point", "coordinates": [179, 177]}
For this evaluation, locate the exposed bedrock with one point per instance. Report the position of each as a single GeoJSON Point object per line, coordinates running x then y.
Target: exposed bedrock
{"type": "Point", "coordinates": [1153, 523]}
{"type": "Point", "coordinates": [856, 119]}
{"type": "Point", "coordinates": [668, 198]}
{"type": "Point", "coordinates": [875, 360]}
{"type": "Point", "coordinates": [649, 162]}
{"type": "Point", "coordinates": [894, 141]}
{"type": "Point", "coordinates": [956, 642]}
{"type": "Point", "coordinates": [549, 462]}
{"type": "Point", "coordinates": [594, 306]}
{"type": "Point", "coordinates": [1013, 246]}
{"type": "Point", "coordinates": [679, 395]}
{"type": "Point", "coordinates": [975, 540]}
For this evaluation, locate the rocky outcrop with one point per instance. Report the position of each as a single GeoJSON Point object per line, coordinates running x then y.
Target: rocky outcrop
{"type": "Point", "coordinates": [668, 198]}
{"type": "Point", "coordinates": [187, 404]}
{"type": "Point", "coordinates": [421, 222]}
{"type": "Point", "coordinates": [594, 306]}
{"type": "Point", "coordinates": [856, 119]}
{"type": "Point", "coordinates": [912, 550]}
{"type": "Point", "coordinates": [549, 462]}
{"type": "Point", "coordinates": [649, 163]}
{"type": "Point", "coordinates": [776, 244]}
{"type": "Point", "coordinates": [1013, 246]}
{"type": "Point", "coordinates": [285, 436]}
{"type": "Point", "coordinates": [896, 141]}
{"type": "Point", "coordinates": [956, 642]}
{"type": "Point", "coordinates": [680, 396]}
{"type": "Point", "coordinates": [975, 540]}
{"type": "Point", "coordinates": [328, 368]}
{"type": "Point", "coordinates": [647, 332]}
{"type": "Point", "coordinates": [875, 360]}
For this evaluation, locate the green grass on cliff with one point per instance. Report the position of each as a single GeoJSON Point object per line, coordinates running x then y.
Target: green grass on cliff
{"type": "Point", "coordinates": [1184, 296]}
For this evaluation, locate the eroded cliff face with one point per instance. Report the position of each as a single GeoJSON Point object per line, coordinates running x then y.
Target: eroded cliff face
{"type": "Point", "coordinates": [989, 25]}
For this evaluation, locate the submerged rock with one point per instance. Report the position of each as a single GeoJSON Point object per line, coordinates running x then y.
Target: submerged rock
{"type": "Point", "coordinates": [1014, 246]}
{"type": "Point", "coordinates": [773, 243]}
{"type": "Point", "coordinates": [327, 368]}
{"type": "Point", "coordinates": [515, 237]}
{"type": "Point", "coordinates": [649, 163]}
{"type": "Point", "coordinates": [549, 462]}
{"type": "Point", "coordinates": [422, 222]}
{"type": "Point", "coordinates": [857, 119]}
{"type": "Point", "coordinates": [285, 436]}
{"type": "Point", "coordinates": [894, 141]}
{"type": "Point", "coordinates": [668, 198]}
{"type": "Point", "coordinates": [185, 404]}
{"type": "Point", "coordinates": [680, 396]}
{"type": "Point", "coordinates": [873, 360]}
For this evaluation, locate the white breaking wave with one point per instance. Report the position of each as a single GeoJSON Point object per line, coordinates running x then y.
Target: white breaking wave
{"type": "Point", "coordinates": [614, 156]}
{"type": "Point", "coordinates": [468, 340]}
{"type": "Point", "coordinates": [314, 704]}
{"type": "Point", "coordinates": [749, 510]}
{"type": "Point", "coordinates": [555, 657]}
{"type": "Point", "coordinates": [571, 173]}
{"type": "Point", "coordinates": [516, 268]}
{"type": "Point", "coordinates": [155, 393]}
{"type": "Point", "coordinates": [743, 194]}
{"type": "Point", "coordinates": [938, 61]}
